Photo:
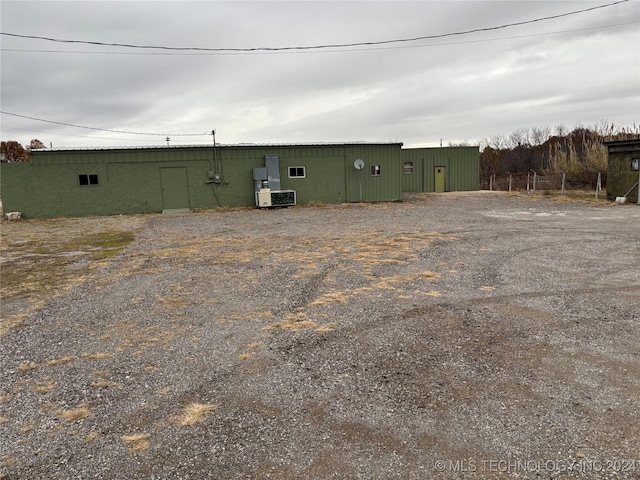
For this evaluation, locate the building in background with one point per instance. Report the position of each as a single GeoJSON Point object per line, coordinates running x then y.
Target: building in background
{"type": "Point", "coordinates": [448, 169]}
{"type": "Point", "coordinates": [623, 171]}
{"type": "Point", "coordinates": [111, 181]}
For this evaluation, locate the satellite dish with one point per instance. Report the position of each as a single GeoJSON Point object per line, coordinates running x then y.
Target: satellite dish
{"type": "Point", "coordinates": [359, 164]}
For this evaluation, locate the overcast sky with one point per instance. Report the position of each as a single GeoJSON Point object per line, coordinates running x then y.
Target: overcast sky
{"type": "Point", "coordinates": [577, 70]}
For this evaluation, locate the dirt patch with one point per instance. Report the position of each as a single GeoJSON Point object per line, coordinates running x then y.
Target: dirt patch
{"type": "Point", "coordinates": [45, 258]}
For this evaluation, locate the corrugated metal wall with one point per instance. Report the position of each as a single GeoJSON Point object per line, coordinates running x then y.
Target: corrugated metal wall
{"type": "Point", "coordinates": [462, 168]}
{"type": "Point", "coordinates": [130, 179]}
{"type": "Point", "coordinates": [620, 176]}
{"type": "Point", "coordinates": [362, 185]}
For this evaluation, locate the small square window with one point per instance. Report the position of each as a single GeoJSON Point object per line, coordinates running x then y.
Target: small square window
{"type": "Point", "coordinates": [408, 168]}
{"type": "Point", "coordinates": [297, 172]}
{"type": "Point", "coordinates": [635, 164]}
{"type": "Point", "coordinates": [85, 180]}
{"type": "Point", "coordinates": [375, 170]}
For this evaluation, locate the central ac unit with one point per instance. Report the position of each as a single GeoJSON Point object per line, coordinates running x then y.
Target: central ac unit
{"type": "Point", "coordinates": [279, 198]}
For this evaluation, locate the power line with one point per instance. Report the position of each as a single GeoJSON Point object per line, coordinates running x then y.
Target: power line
{"type": "Point", "coordinates": [315, 47]}
{"type": "Point", "coordinates": [463, 42]}
{"type": "Point", "coordinates": [105, 129]}
{"type": "Point", "coordinates": [67, 135]}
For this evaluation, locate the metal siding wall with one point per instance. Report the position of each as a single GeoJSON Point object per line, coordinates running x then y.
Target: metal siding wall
{"type": "Point", "coordinates": [129, 180]}
{"type": "Point", "coordinates": [325, 176]}
{"type": "Point", "coordinates": [620, 177]}
{"type": "Point", "coordinates": [387, 186]}
{"type": "Point", "coordinates": [462, 164]}
{"type": "Point", "coordinates": [412, 182]}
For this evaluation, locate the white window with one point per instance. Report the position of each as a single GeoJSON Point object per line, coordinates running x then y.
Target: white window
{"type": "Point", "coordinates": [635, 164]}
{"type": "Point", "coordinates": [375, 170]}
{"type": "Point", "coordinates": [297, 172]}
{"type": "Point", "coordinates": [408, 168]}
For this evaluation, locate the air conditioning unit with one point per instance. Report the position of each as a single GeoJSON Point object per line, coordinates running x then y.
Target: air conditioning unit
{"type": "Point", "coordinates": [279, 198]}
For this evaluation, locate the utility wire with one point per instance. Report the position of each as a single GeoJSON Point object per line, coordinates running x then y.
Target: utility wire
{"type": "Point", "coordinates": [463, 42]}
{"type": "Point", "coordinates": [105, 129]}
{"type": "Point", "coordinates": [315, 47]}
{"type": "Point", "coordinates": [70, 135]}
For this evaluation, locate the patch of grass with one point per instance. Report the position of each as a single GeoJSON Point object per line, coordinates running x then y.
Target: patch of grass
{"type": "Point", "coordinates": [291, 326]}
{"type": "Point", "coordinates": [138, 442]}
{"type": "Point", "coordinates": [327, 327]}
{"type": "Point", "coordinates": [44, 387]}
{"type": "Point", "coordinates": [104, 244]}
{"type": "Point", "coordinates": [292, 322]}
{"type": "Point", "coordinates": [194, 413]}
{"type": "Point", "coordinates": [75, 414]}
{"type": "Point", "coordinates": [45, 258]}
{"type": "Point", "coordinates": [25, 367]}
{"type": "Point", "coordinates": [331, 297]}
{"type": "Point", "coordinates": [28, 426]}
{"type": "Point", "coordinates": [12, 323]}
{"type": "Point", "coordinates": [8, 460]}
{"type": "Point", "coordinates": [389, 282]}
{"type": "Point", "coordinates": [106, 384]}
{"type": "Point", "coordinates": [60, 361]}
{"type": "Point", "coordinates": [574, 196]}
{"type": "Point", "coordinates": [97, 356]}
{"type": "Point", "coordinates": [173, 303]}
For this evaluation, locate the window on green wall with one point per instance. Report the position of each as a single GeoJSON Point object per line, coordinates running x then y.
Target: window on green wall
{"type": "Point", "coordinates": [88, 180]}
{"type": "Point", "coordinates": [635, 164]}
{"type": "Point", "coordinates": [375, 170]}
{"type": "Point", "coordinates": [297, 172]}
{"type": "Point", "coordinates": [408, 168]}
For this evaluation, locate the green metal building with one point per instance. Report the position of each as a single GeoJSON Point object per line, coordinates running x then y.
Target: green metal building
{"type": "Point", "coordinates": [444, 169]}
{"type": "Point", "coordinates": [108, 181]}
{"type": "Point", "coordinates": [623, 171]}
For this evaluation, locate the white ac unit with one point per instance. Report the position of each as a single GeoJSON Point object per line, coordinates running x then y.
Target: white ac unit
{"type": "Point", "coordinates": [280, 198]}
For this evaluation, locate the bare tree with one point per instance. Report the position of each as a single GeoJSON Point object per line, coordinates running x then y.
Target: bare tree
{"type": "Point", "coordinates": [561, 130]}
{"type": "Point", "coordinates": [539, 135]}
{"type": "Point", "coordinates": [498, 141]}
{"type": "Point", "coordinates": [519, 138]}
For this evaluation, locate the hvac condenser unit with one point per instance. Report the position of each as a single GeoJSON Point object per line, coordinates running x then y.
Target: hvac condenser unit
{"type": "Point", "coordinates": [267, 184]}
{"type": "Point", "coordinates": [281, 198]}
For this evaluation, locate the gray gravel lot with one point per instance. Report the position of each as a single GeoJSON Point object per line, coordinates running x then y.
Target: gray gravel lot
{"type": "Point", "coordinates": [469, 335]}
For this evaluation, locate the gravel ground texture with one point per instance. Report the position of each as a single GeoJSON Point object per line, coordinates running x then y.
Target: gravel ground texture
{"type": "Point", "coordinates": [476, 335]}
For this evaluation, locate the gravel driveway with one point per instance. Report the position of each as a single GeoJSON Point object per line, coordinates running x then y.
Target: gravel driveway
{"type": "Point", "coordinates": [475, 335]}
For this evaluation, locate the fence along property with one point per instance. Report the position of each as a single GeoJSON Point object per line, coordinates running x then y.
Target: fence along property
{"type": "Point", "coordinates": [551, 182]}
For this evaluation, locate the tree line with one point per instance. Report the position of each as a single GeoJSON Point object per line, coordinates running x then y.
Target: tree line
{"type": "Point", "coordinates": [13, 151]}
{"type": "Point", "coordinates": [580, 153]}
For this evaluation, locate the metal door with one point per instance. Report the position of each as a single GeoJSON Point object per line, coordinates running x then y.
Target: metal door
{"type": "Point", "coordinates": [440, 176]}
{"type": "Point", "coordinates": [175, 189]}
